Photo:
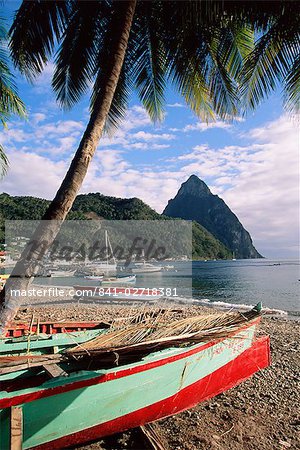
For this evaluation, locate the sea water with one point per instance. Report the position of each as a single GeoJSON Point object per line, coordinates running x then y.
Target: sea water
{"type": "Point", "coordinates": [222, 283]}
{"type": "Point", "coordinates": [275, 283]}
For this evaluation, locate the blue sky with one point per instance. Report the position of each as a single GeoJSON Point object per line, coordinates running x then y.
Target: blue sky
{"type": "Point", "coordinates": [251, 163]}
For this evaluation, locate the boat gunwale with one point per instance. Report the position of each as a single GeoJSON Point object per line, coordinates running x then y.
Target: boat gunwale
{"type": "Point", "coordinates": [101, 376]}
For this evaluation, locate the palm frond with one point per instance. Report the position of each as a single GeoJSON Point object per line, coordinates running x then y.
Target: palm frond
{"type": "Point", "coordinates": [76, 58]}
{"type": "Point", "coordinates": [264, 67]}
{"type": "Point", "coordinates": [4, 163]}
{"type": "Point", "coordinates": [36, 27]}
{"type": "Point", "coordinates": [237, 43]}
{"type": "Point", "coordinates": [10, 102]}
{"type": "Point", "coordinates": [292, 87]}
{"type": "Point", "coordinates": [117, 112]}
{"type": "Point", "coordinates": [187, 72]}
{"type": "Point", "coordinates": [190, 80]}
{"type": "Point", "coordinates": [270, 62]}
{"type": "Point", "coordinates": [149, 62]}
{"type": "Point", "coordinates": [206, 54]}
{"type": "Point", "coordinates": [223, 87]}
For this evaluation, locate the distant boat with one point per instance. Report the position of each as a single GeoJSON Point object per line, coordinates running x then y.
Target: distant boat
{"type": "Point", "coordinates": [119, 280]}
{"type": "Point", "coordinates": [144, 267]}
{"type": "Point", "coordinates": [61, 273]}
{"type": "Point", "coordinates": [168, 267]}
{"type": "Point", "coordinates": [233, 257]}
{"type": "Point", "coordinates": [94, 277]}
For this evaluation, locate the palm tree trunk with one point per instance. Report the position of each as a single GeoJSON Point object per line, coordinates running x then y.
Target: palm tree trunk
{"type": "Point", "coordinates": [57, 211]}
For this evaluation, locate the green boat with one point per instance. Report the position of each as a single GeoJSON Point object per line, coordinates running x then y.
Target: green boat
{"type": "Point", "coordinates": [81, 383]}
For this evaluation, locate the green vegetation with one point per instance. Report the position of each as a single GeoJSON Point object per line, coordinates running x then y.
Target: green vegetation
{"type": "Point", "coordinates": [113, 208]}
{"type": "Point", "coordinates": [206, 246]}
{"type": "Point", "coordinates": [97, 206]}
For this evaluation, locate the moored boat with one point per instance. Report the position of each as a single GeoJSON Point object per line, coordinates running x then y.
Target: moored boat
{"type": "Point", "coordinates": [97, 387]}
{"type": "Point", "coordinates": [144, 267]}
{"type": "Point", "coordinates": [61, 273]}
{"type": "Point", "coordinates": [94, 277]}
{"type": "Point", "coordinates": [118, 280]}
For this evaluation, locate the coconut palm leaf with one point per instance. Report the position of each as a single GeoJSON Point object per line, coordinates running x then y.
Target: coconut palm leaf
{"type": "Point", "coordinates": [191, 83]}
{"type": "Point", "coordinates": [149, 61]}
{"type": "Point", "coordinates": [38, 25]}
{"type": "Point", "coordinates": [273, 57]}
{"type": "Point", "coordinates": [238, 43]}
{"type": "Point", "coordinates": [292, 87]}
{"type": "Point", "coordinates": [117, 112]}
{"type": "Point", "coordinates": [4, 163]}
{"type": "Point", "coordinates": [76, 60]}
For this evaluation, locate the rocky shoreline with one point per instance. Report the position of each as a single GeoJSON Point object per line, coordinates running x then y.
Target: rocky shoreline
{"type": "Point", "coordinates": [261, 413]}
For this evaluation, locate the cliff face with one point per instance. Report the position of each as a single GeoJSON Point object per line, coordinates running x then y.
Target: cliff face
{"type": "Point", "coordinates": [194, 201]}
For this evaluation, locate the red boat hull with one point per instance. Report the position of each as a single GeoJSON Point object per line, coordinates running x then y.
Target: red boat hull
{"type": "Point", "coordinates": [255, 358]}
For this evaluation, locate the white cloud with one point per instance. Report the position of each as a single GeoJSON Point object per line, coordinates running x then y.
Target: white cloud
{"type": "Point", "coordinates": [59, 128]}
{"type": "Point", "coordinates": [151, 136]}
{"type": "Point", "coordinates": [203, 126]}
{"type": "Point", "coordinates": [12, 134]}
{"type": "Point", "coordinates": [136, 117]}
{"type": "Point", "coordinates": [32, 174]}
{"type": "Point", "coordinates": [176, 105]}
{"type": "Point", "coordinates": [37, 118]}
{"type": "Point", "coordinates": [137, 146]}
{"type": "Point", "coordinates": [159, 146]}
{"type": "Point", "coordinates": [128, 138]}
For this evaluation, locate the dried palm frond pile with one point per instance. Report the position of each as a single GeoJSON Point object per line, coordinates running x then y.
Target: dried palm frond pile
{"type": "Point", "coordinates": [130, 338]}
{"type": "Point", "coordinates": [154, 331]}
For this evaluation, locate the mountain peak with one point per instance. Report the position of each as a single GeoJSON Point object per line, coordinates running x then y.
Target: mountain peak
{"type": "Point", "coordinates": [194, 186]}
{"type": "Point", "coordinates": [194, 201]}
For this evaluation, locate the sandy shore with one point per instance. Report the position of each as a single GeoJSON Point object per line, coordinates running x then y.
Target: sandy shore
{"type": "Point", "coordinates": [261, 413]}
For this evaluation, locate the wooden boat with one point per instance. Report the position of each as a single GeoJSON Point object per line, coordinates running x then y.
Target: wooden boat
{"type": "Point", "coordinates": [61, 273]}
{"type": "Point", "coordinates": [94, 277]}
{"type": "Point", "coordinates": [119, 280]}
{"type": "Point", "coordinates": [144, 267]}
{"type": "Point", "coordinates": [44, 405]}
{"type": "Point", "coordinates": [117, 293]}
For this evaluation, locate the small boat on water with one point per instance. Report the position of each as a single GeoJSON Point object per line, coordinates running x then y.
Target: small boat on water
{"type": "Point", "coordinates": [119, 280]}
{"type": "Point", "coordinates": [65, 389]}
{"type": "Point", "coordinates": [168, 267]}
{"type": "Point", "coordinates": [144, 267]}
{"type": "Point", "coordinates": [94, 277]}
{"type": "Point", "coordinates": [61, 273]}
